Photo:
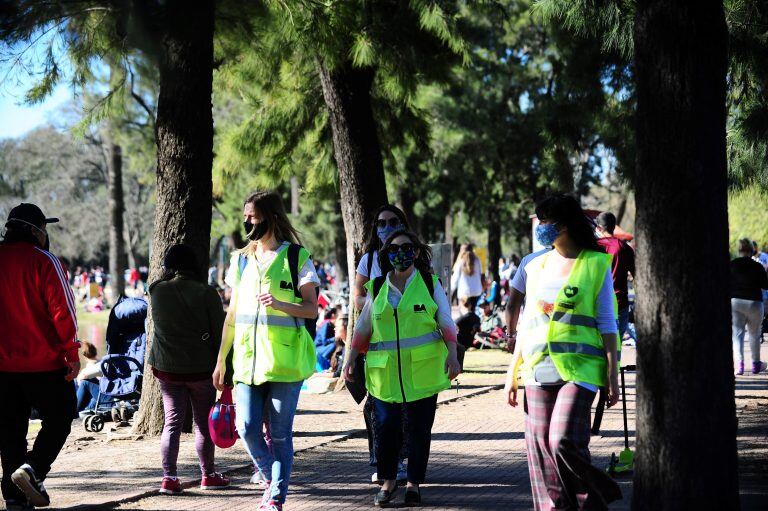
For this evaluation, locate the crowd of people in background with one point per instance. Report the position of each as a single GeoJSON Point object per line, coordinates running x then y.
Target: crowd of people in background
{"type": "Point", "coordinates": [266, 327]}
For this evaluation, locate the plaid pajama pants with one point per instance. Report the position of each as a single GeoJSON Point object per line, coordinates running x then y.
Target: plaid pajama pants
{"type": "Point", "coordinates": [557, 431]}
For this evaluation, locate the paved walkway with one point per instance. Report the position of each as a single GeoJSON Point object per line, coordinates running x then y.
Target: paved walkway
{"type": "Point", "coordinates": [478, 456]}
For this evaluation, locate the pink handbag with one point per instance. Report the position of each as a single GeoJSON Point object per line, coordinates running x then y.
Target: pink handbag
{"type": "Point", "coordinates": [221, 421]}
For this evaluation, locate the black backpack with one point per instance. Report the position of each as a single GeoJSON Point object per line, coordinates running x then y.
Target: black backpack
{"type": "Point", "coordinates": [293, 265]}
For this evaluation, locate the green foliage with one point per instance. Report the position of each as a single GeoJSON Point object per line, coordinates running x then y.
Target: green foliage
{"type": "Point", "coordinates": [283, 127]}
{"type": "Point", "coordinates": [748, 95]}
{"type": "Point", "coordinates": [529, 115]}
{"type": "Point", "coordinates": [67, 176]}
{"type": "Point", "coordinates": [612, 21]}
{"type": "Point", "coordinates": [746, 216]}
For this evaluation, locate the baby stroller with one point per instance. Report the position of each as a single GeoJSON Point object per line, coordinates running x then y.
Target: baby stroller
{"type": "Point", "coordinates": [122, 366]}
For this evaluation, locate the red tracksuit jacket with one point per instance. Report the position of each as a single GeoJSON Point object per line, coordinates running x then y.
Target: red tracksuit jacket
{"type": "Point", "coordinates": [38, 326]}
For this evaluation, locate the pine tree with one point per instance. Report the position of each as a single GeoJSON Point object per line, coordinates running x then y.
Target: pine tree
{"type": "Point", "coordinates": [340, 73]}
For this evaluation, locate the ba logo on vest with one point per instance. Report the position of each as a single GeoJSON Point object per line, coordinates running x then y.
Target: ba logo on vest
{"type": "Point", "coordinates": [286, 285]}
{"type": "Point", "coordinates": [419, 308]}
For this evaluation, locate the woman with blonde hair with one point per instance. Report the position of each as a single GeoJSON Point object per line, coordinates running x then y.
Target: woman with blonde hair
{"type": "Point", "coordinates": [467, 276]}
{"type": "Point", "coordinates": [273, 283]}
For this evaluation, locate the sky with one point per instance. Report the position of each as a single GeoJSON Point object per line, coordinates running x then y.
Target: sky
{"type": "Point", "coordinates": [16, 118]}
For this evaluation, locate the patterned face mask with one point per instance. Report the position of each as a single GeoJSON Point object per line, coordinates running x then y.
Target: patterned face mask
{"type": "Point", "coordinates": [546, 234]}
{"type": "Point", "coordinates": [402, 259]}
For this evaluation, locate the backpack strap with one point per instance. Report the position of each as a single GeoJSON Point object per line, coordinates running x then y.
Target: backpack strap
{"type": "Point", "coordinates": [242, 262]}
{"type": "Point", "coordinates": [427, 277]}
{"type": "Point", "coordinates": [377, 283]}
{"type": "Point", "coordinates": [293, 265]}
{"type": "Point", "coordinates": [369, 264]}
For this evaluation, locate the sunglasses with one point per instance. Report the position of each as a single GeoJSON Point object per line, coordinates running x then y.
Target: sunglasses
{"type": "Point", "coordinates": [392, 222]}
{"type": "Point", "coordinates": [405, 247]}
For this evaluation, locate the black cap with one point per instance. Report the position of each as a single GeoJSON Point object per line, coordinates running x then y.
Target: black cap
{"type": "Point", "coordinates": [30, 214]}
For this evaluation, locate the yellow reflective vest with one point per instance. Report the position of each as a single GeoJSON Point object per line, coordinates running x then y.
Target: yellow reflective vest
{"type": "Point", "coordinates": [568, 333]}
{"type": "Point", "coordinates": [269, 345]}
{"type": "Point", "coordinates": [407, 354]}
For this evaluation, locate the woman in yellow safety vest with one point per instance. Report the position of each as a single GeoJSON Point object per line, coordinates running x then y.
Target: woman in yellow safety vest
{"type": "Point", "coordinates": [273, 285]}
{"type": "Point", "coordinates": [410, 339]}
{"type": "Point", "coordinates": [388, 219]}
{"type": "Point", "coordinates": [566, 349]}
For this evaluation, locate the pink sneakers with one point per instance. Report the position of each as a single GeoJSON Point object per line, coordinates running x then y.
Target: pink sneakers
{"type": "Point", "coordinates": [214, 481]}
{"type": "Point", "coordinates": [170, 486]}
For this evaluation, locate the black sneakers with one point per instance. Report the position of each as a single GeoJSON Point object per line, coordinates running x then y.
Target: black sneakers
{"type": "Point", "coordinates": [25, 479]}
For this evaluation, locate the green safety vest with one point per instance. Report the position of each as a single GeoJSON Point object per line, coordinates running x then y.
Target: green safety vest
{"type": "Point", "coordinates": [407, 354]}
{"type": "Point", "coordinates": [269, 345]}
{"type": "Point", "coordinates": [570, 335]}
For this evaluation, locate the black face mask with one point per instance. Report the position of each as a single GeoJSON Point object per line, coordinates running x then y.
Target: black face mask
{"type": "Point", "coordinates": [255, 232]}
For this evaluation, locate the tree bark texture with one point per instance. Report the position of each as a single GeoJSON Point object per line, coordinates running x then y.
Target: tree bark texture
{"type": "Point", "coordinates": [686, 424]}
{"type": "Point", "coordinates": [340, 247]}
{"type": "Point", "coordinates": [184, 156]}
{"type": "Point", "coordinates": [357, 151]}
{"type": "Point", "coordinates": [118, 259]}
{"type": "Point", "coordinates": [494, 245]}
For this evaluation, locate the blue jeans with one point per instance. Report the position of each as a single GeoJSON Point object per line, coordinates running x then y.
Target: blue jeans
{"type": "Point", "coordinates": [281, 400]}
{"type": "Point", "coordinates": [87, 392]}
{"type": "Point", "coordinates": [623, 322]}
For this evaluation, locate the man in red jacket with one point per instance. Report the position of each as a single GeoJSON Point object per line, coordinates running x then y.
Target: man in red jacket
{"type": "Point", "coordinates": [38, 356]}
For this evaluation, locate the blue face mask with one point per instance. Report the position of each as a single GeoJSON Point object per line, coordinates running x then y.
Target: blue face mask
{"type": "Point", "coordinates": [546, 234]}
{"type": "Point", "coordinates": [385, 232]}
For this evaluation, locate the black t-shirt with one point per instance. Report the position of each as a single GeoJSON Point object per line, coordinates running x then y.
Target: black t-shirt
{"type": "Point", "coordinates": [748, 277]}
{"type": "Point", "coordinates": [467, 325]}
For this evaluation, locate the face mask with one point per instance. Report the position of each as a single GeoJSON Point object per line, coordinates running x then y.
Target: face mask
{"type": "Point", "coordinates": [546, 234]}
{"type": "Point", "coordinates": [255, 232]}
{"type": "Point", "coordinates": [386, 232]}
{"type": "Point", "coordinates": [402, 259]}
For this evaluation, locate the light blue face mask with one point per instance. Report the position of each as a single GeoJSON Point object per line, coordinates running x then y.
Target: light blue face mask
{"type": "Point", "coordinates": [385, 232]}
{"type": "Point", "coordinates": [546, 234]}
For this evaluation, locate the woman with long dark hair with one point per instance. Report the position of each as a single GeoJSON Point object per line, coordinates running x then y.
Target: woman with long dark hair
{"type": "Point", "coordinates": [273, 283]}
{"type": "Point", "coordinates": [388, 219]}
{"type": "Point", "coordinates": [188, 318]}
{"type": "Point", "coordinates": [566, 349]}
{"type": "Point", "coordinates": [410, 339]}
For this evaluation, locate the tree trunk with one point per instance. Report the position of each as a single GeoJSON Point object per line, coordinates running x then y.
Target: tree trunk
{"type": "Point", "coordinates": [686, 425]}
{"type": "Point", "coordinates": [184, 156]}
{"type": "Point", "coordinates": [356, 149]}
{"type": "Point", "coordinates": [340, 248]}
{"type": "Point", "coordinates": [494, 245]}
{"type": "Point", "coordinates": [118, 259]}
{"type": "Point", "coordinates": [294, 196]}
{"type": "Point", "coordinates": [622, 209]}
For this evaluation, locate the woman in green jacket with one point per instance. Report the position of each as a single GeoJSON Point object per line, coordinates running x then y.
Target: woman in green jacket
{"type": "Point", "coordinates": [188, 318]}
